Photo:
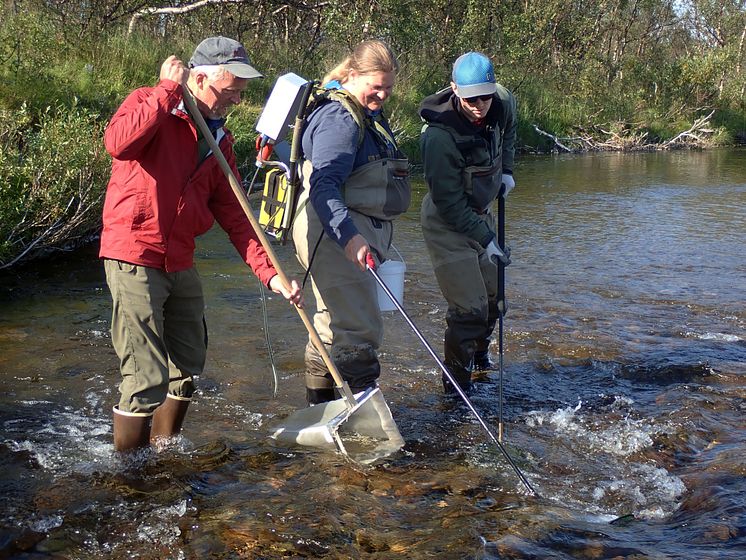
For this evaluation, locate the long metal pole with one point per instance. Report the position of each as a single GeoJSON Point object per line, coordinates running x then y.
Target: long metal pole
{"type": "Point", "coordinates": [501, 303]}
{"type": "Point", "coordinates": [450, 378]}
{"type": "Point", "coordinates": [500, 377]}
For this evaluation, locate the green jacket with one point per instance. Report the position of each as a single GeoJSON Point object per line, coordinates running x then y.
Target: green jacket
{"type": "Point", "coordinates": [463, 163]}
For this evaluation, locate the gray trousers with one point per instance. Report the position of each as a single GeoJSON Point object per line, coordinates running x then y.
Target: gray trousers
{"type": "Point", "coordinates": [158, 332]}
{"type": "Point", "coordinates": [468, 281]}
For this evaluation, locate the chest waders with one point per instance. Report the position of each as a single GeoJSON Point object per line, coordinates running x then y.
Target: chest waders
{"type": "Point", "coordinates": [348, 317]}
{"type": "Point", "coordinates": [467, 278]}
{"type": "Point", "coordinates": [361, 191]}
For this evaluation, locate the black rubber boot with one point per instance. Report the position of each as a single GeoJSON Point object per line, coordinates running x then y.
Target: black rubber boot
{"type": "Point", "coordinates": [131, 430]}
{"type": "Point", "coordinates": [482, 361]}
{"type": "Point", "coordinates": [319, 396]}
{"type": "Point", "coordinates": [168, 418]}
{"type": "Point", "coordinates": [319, 382]}
{"type": "Point", "coordinates": [461, 375]}
{"type": "Point", "coordinates": [459, 345]}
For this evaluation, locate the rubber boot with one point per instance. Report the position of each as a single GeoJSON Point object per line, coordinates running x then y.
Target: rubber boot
{"type": "Point", "coordinates": [461, 375]}
{"type": "Point", "coordinates": [131, 429]}
{"type": "Point", "coordinates": [169, 417]}
{"type": "Point", "coordinates": [482, 361]}
{"type": "Point", "coordinates": [319, 382]}
{"type": "Point", "coordinates": [319, 389]}
{"type": "Point", "coordinates": [319, 396]}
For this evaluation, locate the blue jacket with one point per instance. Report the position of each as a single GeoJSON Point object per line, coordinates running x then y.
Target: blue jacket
{"type": "Point", "coordinates": [331, 143]}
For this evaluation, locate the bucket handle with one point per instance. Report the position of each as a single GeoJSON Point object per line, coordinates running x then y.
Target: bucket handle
{"type": "Point", "coordinates": [398, 253]}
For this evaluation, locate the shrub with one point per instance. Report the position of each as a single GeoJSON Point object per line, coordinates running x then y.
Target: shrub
{"type": "Point", "coordinates": [53, 173]}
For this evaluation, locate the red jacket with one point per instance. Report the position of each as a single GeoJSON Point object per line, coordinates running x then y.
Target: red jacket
{"type": "Point", "coordinates": [159, 197]}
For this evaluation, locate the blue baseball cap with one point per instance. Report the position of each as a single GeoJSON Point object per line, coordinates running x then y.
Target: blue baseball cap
{"type": "Point", "coordinates": [473, 75]}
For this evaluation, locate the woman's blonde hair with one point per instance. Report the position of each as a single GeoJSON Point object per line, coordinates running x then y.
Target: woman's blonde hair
{"type": "Point", "coordinates": [368, 57]}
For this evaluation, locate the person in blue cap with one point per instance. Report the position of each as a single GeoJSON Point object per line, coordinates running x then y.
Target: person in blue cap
{"type": "Point", "coordinates": [467, 145]}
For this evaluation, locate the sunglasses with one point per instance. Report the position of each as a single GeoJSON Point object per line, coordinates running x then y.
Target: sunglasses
{"type": "Point", "coordinates": [474, 99]}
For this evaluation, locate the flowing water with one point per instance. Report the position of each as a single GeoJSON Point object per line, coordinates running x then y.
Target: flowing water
{"type": "Point", "coordinates": [624, 386]}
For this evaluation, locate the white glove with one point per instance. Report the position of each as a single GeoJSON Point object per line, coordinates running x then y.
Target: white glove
{"type": "Point", "coordinates": [495, 254]}
{"type": "Point", "coordinates": [508, 183]}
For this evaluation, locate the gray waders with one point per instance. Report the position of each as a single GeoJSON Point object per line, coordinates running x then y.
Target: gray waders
{"type": "Point", "coordinates": [468, 281]}
{"type": "Point", "coordinates": [347, 316]}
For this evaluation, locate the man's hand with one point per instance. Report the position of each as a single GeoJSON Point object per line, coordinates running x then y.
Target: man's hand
{"type": "Point", "coordinates": [173, 69]}
{"type": "Point", "coordinates": [357, 250]}
{"type": "Point", "coordinates": [495, 254]}
{"type": "Point", "coordinates": [508, 184]}
{"type": "Point", "coordinates": [294, 295]}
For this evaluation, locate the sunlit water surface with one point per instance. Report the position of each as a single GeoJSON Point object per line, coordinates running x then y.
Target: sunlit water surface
{"type": "Point", "coordinates": [624, 386]}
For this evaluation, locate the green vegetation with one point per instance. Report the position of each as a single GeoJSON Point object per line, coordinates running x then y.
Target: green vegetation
{"type": "Point", "coordinates": [53, 169]}
{"type": "Point", "coordinates": [606, 74]}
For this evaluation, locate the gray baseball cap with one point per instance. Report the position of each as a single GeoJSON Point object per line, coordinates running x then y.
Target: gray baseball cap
{"type": "Point", "coordinates": [224, 52]}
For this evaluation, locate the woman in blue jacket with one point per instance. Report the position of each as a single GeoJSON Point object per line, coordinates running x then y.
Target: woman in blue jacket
{"type": "Point", "coordinates": [355, 182]}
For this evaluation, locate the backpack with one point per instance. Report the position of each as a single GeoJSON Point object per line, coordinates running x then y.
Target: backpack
{"type": "Point", "coordinates": [281, 186]}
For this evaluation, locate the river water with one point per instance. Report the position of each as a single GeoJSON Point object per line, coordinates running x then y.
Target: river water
{"type": "Point", "coordinates": [624, 397]}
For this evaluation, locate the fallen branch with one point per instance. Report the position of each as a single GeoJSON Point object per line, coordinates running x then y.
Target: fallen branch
{"type": "Point", "coordinates": [697, 126]}
{"type": "Point", "coordinates": [554, 139]}
{"type": "Point", "coordinates": [626, 137]}
{"type": "Point", "coordinates": [38, 239]}
{"type": "Point", "coordinates": [76, 222]}
{"type": "Point", "coordinates": [174, 10]}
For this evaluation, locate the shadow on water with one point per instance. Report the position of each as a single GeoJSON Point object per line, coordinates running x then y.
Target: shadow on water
{"type": "Point", "coordinates": [624, 397]}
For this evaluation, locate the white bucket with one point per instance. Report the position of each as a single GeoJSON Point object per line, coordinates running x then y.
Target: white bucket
{"type": "Point", "coordinates": [392, 274]}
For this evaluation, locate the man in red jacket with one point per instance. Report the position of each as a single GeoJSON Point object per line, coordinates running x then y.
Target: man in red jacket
{"type": "Point", "coordinates": [166, 188]}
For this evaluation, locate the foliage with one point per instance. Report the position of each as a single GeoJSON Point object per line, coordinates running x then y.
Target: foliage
{"type": "Point", "coordinates": [241, 123]}
{"type": "Point", "coordinates": [53, 169]}
{"type": "Point", "coordinates": [628, 68]}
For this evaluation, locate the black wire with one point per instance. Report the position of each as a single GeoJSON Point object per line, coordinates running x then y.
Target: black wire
{"type": "Point", "coordinates": [267, 339]}
{"type": "Point", "coordinates": [310, 261]}
{"type": "Point", "coordinates": [265, 320]}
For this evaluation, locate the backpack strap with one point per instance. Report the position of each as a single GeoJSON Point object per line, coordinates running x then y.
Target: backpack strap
{"type": "Point", "coordinates": [384, 140]}
{"type": "Point", "coordinates": [321, 95]}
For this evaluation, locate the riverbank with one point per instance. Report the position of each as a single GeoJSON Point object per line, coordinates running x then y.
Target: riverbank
{"type": "Point", "coordinates": [621, 137]}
